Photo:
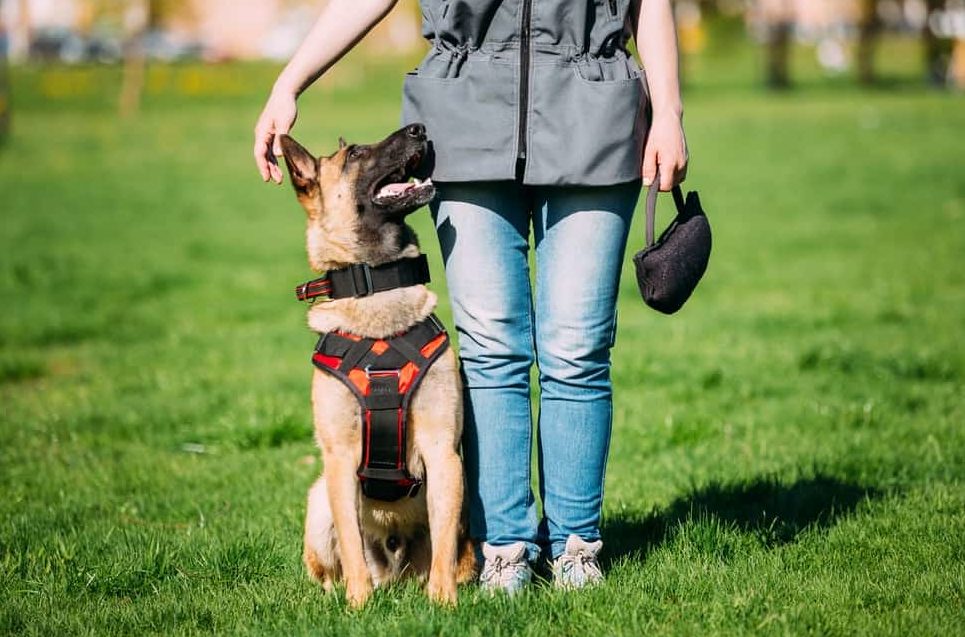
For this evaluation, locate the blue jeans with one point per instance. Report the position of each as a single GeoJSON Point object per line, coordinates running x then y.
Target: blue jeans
{"type": "Point", "coordinates": [565, 323]}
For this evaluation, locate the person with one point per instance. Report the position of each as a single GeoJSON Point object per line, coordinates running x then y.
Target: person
{"type": "Point", "coordinates": [538, 115]}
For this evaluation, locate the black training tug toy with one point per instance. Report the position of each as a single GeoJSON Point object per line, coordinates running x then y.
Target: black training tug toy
{"type": "Point", "coordinates": [669, 269]}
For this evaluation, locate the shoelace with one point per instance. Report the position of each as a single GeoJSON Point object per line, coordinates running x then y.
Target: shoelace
{"type": "Point", "coordinates": [496, 566]}
{"type": "Point", "coordinates": [587, 563]}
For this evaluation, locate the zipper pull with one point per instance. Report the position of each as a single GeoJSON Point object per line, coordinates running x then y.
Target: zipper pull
{"type": "Point", "coordinates": [612, 4]}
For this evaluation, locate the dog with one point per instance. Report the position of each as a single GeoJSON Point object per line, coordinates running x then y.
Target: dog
{"type": "Point", "coordinates": [356, 201]}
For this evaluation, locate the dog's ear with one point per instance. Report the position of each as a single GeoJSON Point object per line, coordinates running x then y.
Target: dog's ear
{"type": "Point", "coordinates": [302, 165]}
{"type": "Point", "coordinates": [341, 143]}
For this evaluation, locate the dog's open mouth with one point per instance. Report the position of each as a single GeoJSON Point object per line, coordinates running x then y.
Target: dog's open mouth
{"type": "Point", "coordinates": [401, 188]}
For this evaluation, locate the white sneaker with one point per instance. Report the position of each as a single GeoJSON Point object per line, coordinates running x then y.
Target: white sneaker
{"type": "Point", "coordinates": [577, 566]}
{"type": "Point", "coordinates": [505, 568]}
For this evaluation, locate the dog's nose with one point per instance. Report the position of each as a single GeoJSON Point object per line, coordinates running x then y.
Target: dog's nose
{"type": "Point", "coordinates": [416, 130]}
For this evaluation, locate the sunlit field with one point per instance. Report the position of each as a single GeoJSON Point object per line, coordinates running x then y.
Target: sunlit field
{"type": "Point", "coordinates": [788, 451]}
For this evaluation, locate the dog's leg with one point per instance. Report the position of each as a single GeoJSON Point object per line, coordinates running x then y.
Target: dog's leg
{"type": "Point", "coordinates": [343, 495]}
{"type": "Point", "coordinates": [444, 486]}
{"type": "Point", "coordinates": [321, 544]}
{"type": "Point", "coordinates": [466, 566]}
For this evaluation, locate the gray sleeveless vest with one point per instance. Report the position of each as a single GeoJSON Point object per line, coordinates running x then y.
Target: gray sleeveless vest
{"type": "Point", "coordinates": [540, 88]}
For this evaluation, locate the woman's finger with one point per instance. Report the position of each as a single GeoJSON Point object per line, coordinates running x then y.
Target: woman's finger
{"type": "Point", "coordinates": [260, 164]}
{"type": "Point", "coordinates": [649, 166]}
{"type": "Point", "coordinates": [667, 177]}
{"type": "Point", "coordinates": [276, 144]}
{"type": "Point", "coordinates": [262, 141]}
{"type": "Point", "coordinates": [276, 173]}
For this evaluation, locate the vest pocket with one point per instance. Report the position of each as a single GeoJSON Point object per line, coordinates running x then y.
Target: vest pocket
{"type": "Point", "coordinates": [587, 131]}
{"type": "Point", "coordinates": [470, 119]}
{"type": "Point", "coordinates": [442, 65]}
{"type": "Point", "coordinates": [614, 69]}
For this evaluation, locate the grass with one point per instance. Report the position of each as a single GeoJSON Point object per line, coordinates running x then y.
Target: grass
{"type": "Point", "coordinates": [787, 453]}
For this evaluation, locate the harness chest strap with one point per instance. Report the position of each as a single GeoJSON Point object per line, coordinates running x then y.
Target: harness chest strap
{"type": "Point", "coordinates": [383, 374]}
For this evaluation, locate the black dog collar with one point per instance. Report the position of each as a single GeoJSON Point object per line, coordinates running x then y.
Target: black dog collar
{"type": "Point", "coordinates": [361, 279]}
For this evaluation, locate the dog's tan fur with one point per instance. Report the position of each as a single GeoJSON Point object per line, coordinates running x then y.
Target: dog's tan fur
{"type": "Point", "coordinates": [347, 535]}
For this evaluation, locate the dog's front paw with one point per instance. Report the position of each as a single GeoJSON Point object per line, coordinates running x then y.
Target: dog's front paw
{"type": "Point", "coordinates": [358, 594]}
{"type": "Point", "coordinates": [442, 593]}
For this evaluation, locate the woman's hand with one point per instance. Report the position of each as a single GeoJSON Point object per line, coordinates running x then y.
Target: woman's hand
{"type": "Point", "coordinates": [276, 119]}
{"type": "Point", "coordinates": [666, 147]}
{"type": "Point", "coordinates": [656, 38]}
{"type": "Point", "coordinates": [341, 24]}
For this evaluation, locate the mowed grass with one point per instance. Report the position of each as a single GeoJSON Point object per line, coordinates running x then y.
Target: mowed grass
{"type": "Point", "coordinates": [787, 453]}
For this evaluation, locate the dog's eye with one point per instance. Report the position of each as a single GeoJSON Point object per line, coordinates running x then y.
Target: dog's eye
{"type": "Point", "coordinates": [392, 543]}
{"type": "Point", "coordinates": [356, 152]}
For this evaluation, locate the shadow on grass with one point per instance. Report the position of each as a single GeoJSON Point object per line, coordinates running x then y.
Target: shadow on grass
{"type": "Point", "coordinates": [773, 512]}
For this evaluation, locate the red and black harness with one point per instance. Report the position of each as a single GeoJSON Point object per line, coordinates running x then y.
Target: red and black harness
{"type": "Point", "coordinates": [383, 374]}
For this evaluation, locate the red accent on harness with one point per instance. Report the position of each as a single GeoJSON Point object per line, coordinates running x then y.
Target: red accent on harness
{"type": "Point", "coordinates": [313, 289]}
{"type": "Point", "coordinates": [361, 279]}
{"type": "Point", "coordinates": [383, 374]}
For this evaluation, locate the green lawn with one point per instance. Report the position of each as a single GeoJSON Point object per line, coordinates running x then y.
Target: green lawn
{"type": "Point", "coordinates": [788, 452]}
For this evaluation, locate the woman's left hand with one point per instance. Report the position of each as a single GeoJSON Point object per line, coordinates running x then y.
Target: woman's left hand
{"type": "Point", "coordinates": [666, 147]}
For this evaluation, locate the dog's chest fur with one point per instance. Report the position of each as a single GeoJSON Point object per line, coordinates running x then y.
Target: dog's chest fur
{"type": "Point", "coordinates": [390, 313]}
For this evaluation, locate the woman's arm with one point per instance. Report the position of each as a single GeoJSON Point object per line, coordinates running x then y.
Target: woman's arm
{"type": "Point", "coordinates": [340, 26]}
{"type": "Point", "coordinates": [656, 39]}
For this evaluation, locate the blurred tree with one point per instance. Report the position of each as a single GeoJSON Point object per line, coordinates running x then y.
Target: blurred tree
{"type": "Point", "coordinates": [937, 50]}
{"type": "Point", "coordinates": [869, 27]}
{"type": "Point", "coordinates": [140, 22]}
{"type": "Point", "coordinates": [23, 29]}
{"type": "Point", "coordinates": [778, 21]}
{"type": "Point", "coordinates": [138, 19]}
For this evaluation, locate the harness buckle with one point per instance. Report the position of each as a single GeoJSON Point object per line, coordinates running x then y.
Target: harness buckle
{"type": "Point", "coordinates": [303, 293]}
{"type": "Point", "coordinates": [365, 281]}
{"type": "Point", "coordinates": [380, 373]}
{"type": "Point", "coordinates": [414, 489]}
{"type": "Point", "coordinates": [436, 322]}
{"type": "Point", "coordinates": [318, 298]}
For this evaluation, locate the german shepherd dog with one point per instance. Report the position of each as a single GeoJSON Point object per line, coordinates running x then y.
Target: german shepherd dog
{"type": "Point", "coordinates": [356, 202]}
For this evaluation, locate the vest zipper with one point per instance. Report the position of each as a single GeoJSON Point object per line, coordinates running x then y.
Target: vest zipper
{"type": "Point", "coordinates": [524, 34]}
{"type": "Point", "coordinates": [612, 4]}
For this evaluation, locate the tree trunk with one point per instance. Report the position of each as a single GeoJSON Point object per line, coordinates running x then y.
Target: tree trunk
{"type": "Point", "coordinates": [20, 33]}
{"type": "Point", "coordinates": [868, 31]}
{"type": "Point", "coordinates": [777, 19]}
{"type": "Point", "coordinates": [132, 79]}
{"type": "Point", "coordinates": [935, 49]}
{"type": "Point", "coordinates": [136, 20]}
{"type": "Point", "coordinates": [778, 53]}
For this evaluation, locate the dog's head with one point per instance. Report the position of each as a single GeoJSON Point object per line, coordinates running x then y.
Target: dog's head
{"type": "Point", "coordinates": [357, 198]}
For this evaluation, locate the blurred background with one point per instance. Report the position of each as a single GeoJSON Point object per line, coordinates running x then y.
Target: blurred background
{"type": "Point", "coordinates": [842, 36]}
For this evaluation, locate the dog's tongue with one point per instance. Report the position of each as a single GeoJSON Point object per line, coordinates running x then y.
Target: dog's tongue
{"type": "Point", "coordinates": [394, 190]}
